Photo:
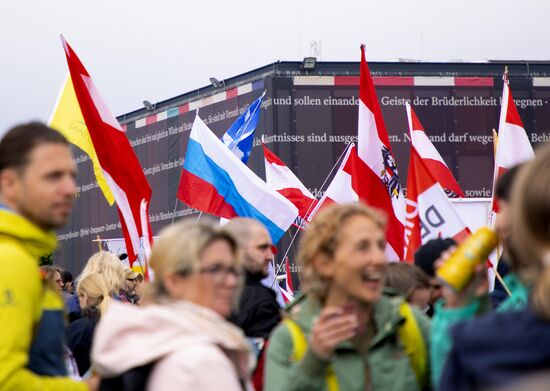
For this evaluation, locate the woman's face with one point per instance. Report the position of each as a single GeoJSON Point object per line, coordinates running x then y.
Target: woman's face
{"type": "Point", "coordinates": [215, 284]}
{"type": "Point", "coordinates": [359, 262]}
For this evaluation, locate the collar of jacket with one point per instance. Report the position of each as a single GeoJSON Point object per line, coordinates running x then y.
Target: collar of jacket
{"type": "Point", "coordinates": [36, 241]}
{"type": "Point", "coordinates": [305, 309]}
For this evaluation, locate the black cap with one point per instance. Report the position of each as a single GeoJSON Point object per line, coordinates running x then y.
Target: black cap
{"type": "Point", "coordinates": [427, 254]}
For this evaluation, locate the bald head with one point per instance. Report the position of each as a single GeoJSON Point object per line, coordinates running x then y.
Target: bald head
{"type": "Point", "coordinates": [254, 241]}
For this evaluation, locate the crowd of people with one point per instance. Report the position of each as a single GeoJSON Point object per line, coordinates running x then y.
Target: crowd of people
{"type": "Point", "coordinates": [206, 321]}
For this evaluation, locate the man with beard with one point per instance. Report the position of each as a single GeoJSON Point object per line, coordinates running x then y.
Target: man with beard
{"type": "Point", "coordinates": [258, 312]}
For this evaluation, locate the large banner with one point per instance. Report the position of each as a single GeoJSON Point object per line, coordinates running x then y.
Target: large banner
{"type": "Point", "coordinates": [308, 121]}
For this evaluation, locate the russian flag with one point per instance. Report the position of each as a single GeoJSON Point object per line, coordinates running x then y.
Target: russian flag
{"type": "Point", "coordinates": [217, 182]}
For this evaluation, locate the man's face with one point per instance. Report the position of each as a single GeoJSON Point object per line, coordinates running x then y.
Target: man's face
{"type": "Point", "coordinates": [44, 190]}
{"type": "Point", "coordinates": [130, 285]}
{"type": "Point", "coordinates": [258, 253]}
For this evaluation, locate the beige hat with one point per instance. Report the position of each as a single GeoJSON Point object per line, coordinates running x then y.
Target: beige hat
{"type": "Point", "coordinates": [129, 274]}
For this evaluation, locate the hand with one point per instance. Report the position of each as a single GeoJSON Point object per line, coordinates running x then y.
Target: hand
{"type": "Point", "coordinates": [332, 327]}
{"type": "Point", "coordinates": [477, 287]}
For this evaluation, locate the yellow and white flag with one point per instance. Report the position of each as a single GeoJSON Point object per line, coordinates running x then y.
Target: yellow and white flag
{"type": "Point", "coordinates": [67, 118]}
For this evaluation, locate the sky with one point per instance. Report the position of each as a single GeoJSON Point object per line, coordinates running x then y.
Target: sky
{"type": "Point", "coordinates": [136, 50]}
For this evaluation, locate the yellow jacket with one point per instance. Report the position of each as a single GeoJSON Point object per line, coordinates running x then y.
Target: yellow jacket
{"type": "Point", "coordinates": [22, 301]}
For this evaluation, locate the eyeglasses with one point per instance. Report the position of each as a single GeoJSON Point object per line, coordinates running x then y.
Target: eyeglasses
{"type": "Point", "coordinates": [220, 272]}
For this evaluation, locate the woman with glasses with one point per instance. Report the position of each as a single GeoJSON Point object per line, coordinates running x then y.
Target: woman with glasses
{"type": "Point", "coordinates": [181, 339]}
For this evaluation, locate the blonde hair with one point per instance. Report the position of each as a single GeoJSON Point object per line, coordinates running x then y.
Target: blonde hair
{"type": "Point", "coordinates": [323, 236]}
{"type": "Point", "coordinates": [179, 250]}
{"type": "Point", "coordinates": [95, 288]}
{"type": "Point", "coordinates": [109, 266]}
{"type": "Point", "coordinates": [530, 236]}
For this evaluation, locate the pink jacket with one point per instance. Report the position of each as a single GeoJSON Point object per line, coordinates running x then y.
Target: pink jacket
{"type": "Point", "coordinates": [193, 347]}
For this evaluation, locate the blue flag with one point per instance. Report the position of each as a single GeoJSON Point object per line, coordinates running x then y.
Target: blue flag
{"type": "Point", "coordinates": [240, 135]}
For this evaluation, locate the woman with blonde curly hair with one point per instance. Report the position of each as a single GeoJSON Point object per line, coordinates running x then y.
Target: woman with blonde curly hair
{"type": "Point", "coordinates": [180, 339]}
{"type": "Point", "coordinates": [344, 334]}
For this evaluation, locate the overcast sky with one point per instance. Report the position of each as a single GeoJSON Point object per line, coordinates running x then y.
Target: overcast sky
{"type": "Point", "coordinates": [157, 49]}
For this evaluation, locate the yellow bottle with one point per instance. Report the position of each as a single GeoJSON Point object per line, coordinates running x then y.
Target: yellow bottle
{"type": "Point", "coordinates": [458, 270]}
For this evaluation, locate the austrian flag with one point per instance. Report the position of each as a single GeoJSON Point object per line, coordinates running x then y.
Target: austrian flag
{"type": "Point", "coordinates": [377, 180]}
{"type": "Point", "coordinates": [430, 214]}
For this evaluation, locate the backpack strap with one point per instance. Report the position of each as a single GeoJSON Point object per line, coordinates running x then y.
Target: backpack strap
{"type": "Point", "coordinates": [299, 347]}
{"type": "Point", "coordinates": [410, 335]}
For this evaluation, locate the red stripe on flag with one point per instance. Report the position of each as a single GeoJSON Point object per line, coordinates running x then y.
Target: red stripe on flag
{"type": "Point", "coordinates": [474, 82]}
{"type": "Point", "coordinates": [151, 119]}
{"type": "Point", "coordinates": [303, 203]}
{"type": "Point", "coordinates": [184, 109]}
{"type": "Point", "coordinates": [209, 201]}
{"type": "Point", "coordinates": [512, 115]}
{"type": "Point", "coordinates": [443, 175]}
{"type": "Point", "coordinates": [232, 93]}
{"type": "Point", "coordinates": [393, 81]}
{"type": "Point", "coordinates": [271, 157]}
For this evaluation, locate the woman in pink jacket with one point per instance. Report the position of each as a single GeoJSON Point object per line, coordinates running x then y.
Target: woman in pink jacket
{"type": "Point", "coordinates": [180, 340]}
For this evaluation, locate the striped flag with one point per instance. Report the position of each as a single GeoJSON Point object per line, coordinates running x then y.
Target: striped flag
{"type": "Point", "coordinates": [430, 213]}
{"type": "Point", "coordinates": [67, 119]}
{"type": "Point", "coordinates": [377, 181]}
{"type": "Point", "coordinates": [279, 177]}
{"type": "Point", "coordinates": [216, 181]}
{"type": "Point", "coordinates": [431, 157]}
{"type": "Point", "coordinates": [340, 190]}
{"type": "Point", "coordinates": [513, 145]}
{"type": "Point", "coordinates": [120, 165]}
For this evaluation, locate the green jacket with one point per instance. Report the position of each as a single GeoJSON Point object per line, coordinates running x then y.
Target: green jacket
{"type": "Point", "coordinates": [386, 362]}
{"type": "Point", "coordinates": [22, 301]}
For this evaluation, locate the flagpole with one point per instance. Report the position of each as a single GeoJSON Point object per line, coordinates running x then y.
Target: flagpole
{"type": "Point", "coordinates": [174, 212]}
{"type": "Point", "coordinates": [302, 222]}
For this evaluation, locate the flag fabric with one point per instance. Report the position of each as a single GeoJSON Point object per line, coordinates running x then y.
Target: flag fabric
{"type": "Point", "coordinates": [340, 190]}
{"type": "Point", "coordinates": [288, 290]}
{"type": "Point", "coordinates": [431, 157]}
{"type": "Point", "coordinates": [280, 178]}
{"type": "Point", "coordinates": [216, 181]}
{"type": "Point", "coordinates": [377, 180]}
{"type": "Point", "coordinates": [119, 163]}
{"type": "Point", "coordinates": [430, 213]}
{"type": "Point", "coordinates": [67, 119]}
{"type": "Point", "coordinates": [513, 145]}
{"type": "Point", "coordinates": [240, 136]}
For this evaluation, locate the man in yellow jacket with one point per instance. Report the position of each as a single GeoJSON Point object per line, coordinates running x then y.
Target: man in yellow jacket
{"type": "Point", "coordinates": [37, 189]}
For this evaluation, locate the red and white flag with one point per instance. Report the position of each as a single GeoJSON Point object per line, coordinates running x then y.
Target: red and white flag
{"type": "Point", "coordinates": [431, 157]}
{"type": "Point", "coordinates": [288, 290]}
{"type": "Point", "coordinates": [430, 213]}
{"type": "Point", "coordinates": [377, 181]}
{"type": "Point", "coordinates": [279, 177]}
{"type": "Point", "coordinates": [340, 190]}
{"type": "Point", "coordinates": [120, 165]}
{"type": "Point", "coordinates": [513, 145]}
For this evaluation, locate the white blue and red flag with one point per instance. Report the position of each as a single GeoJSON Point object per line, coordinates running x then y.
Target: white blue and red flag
{"type": "Point", "coordinates": [215, 181]}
